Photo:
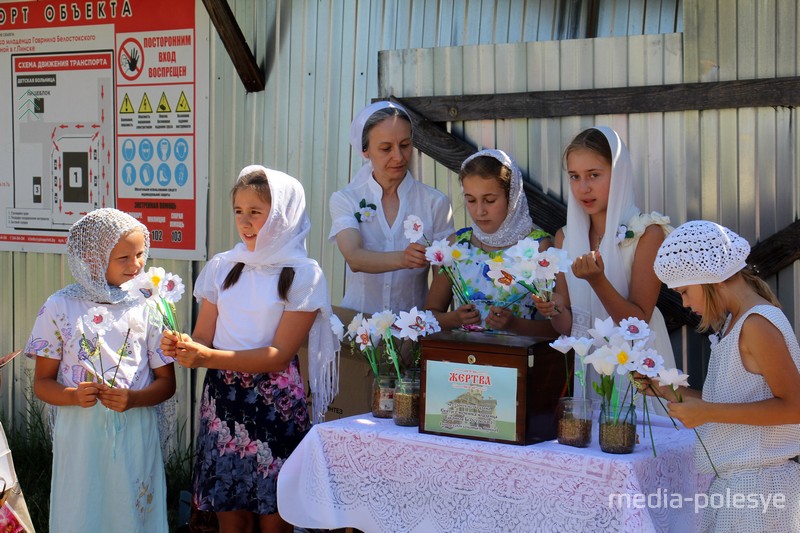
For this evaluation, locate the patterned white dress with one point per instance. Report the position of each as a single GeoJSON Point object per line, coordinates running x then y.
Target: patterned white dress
{"type": "Point", "coordinates": [751, 460]}
{"type": "Point", "coordinates": [108, 472]}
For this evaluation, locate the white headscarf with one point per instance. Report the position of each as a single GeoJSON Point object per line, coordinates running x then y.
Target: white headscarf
{"type": "Point", "coordinates": [357, 132]}
{"type": "Point", "coordinates": [621, 208]}
{"type": "Point", "coordinates": [518, 223]}
{"type": "Point", "coordinates": [89, 246]}
{"type": "Point", "coordinates": [281, 243]}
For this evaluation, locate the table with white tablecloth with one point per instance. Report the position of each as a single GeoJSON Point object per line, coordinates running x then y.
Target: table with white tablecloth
{"type": "Point", "coordinates": [375, 476]}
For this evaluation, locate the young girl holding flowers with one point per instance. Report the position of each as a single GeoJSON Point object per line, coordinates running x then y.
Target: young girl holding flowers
{"type": "Point", "coordinates": [98, 360]}
{"type": "Point", "coordinates": [259, 303]}
{"type": "Point", "coordinates": [611, 243]}
{"type": "Point", "coordinates": [493, 193]}
{"type": "Point", "coordinates": [748, 415]}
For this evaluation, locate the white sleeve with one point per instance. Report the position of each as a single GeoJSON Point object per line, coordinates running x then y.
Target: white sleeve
{"type": "Point", "coordinates": [206, 286]}
{"type": "Point", "coordinates": [343, 214]}
{"type": "Point", "coordinates": [309, 290]}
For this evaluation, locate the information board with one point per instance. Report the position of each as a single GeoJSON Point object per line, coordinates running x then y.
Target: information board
{"type": "Point", "coordinates": [104, 104]}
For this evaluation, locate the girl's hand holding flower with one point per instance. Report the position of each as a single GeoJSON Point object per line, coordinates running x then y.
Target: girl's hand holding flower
{"type": "Point", "coordinates": [499, 318]}
{"type": "Point", "coordinates": [168, 341]}
{"type": "Point", "coordinates": [691, 411]}
{"type": "Point", "coordinates": [589, 266]}
{"type": "Point", "coordinates": [191, 354]}
{"type": "Point", "coordinates": [116, 398]}
{"type": "Point", "coordinates": [551, 308]}
{"type": "Point", "coordinates": [468, 314]}
{"type": "Point", "coordinates": [86, 393]}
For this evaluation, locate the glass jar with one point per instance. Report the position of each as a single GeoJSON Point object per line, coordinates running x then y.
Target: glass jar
{"type": "Point", "coordinates": [617, 428]}
{"type": "Point", "coordinates": [383, 397]}
{"type": "Point", "coordinates": [575, 421]}
{"type": "Point", "coordinates": [406, 402]}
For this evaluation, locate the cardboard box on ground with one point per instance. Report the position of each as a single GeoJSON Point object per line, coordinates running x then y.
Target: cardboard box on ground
{"type": "Point", "coordinates": [355, 377]}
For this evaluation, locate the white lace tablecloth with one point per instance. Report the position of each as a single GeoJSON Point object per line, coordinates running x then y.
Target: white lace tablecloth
{"type": "Point", "coordinates": [375, 476]}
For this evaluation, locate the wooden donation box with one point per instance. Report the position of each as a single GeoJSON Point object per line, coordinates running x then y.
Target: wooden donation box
{"type": "Point", "coordinates": [502, 388]}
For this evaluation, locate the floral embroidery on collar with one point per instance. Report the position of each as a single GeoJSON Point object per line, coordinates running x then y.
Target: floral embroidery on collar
{"type": "Point", "coordinates": [366, 212]}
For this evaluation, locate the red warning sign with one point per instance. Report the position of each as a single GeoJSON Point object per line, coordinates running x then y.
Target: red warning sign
{"type": "Point", "coordinates": [130, 59]}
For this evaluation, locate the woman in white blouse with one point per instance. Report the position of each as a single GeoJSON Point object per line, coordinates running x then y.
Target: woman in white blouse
{"type": "Point", "coordinates": [384, 271]}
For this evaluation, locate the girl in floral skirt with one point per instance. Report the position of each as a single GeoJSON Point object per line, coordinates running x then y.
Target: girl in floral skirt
{"type": "Point", "coordinates": [260, 301]}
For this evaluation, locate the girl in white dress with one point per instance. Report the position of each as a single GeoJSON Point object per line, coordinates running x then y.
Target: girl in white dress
{"type": "Point", "coordinates": [105, 374]}
{"type": "Point", "coordinates": [612, 245]}
{"type": "Point", "coordinates": [748, 415]}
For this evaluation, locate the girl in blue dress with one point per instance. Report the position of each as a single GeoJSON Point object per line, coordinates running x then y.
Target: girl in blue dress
{"type": "Point", "coordinates": [492, 185]}
{"type": "Point", "coordinates": [98, 359]}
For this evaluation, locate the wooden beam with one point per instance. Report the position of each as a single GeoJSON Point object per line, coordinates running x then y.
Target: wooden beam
{"type": "Point", "coordinates": [232, 37]}
{"type": "Point", "coordinates": [777, 252]}
{"type": "Point", "coordinates": [547, 212]}
{"type": "Point", "coordinates": [623, 100]}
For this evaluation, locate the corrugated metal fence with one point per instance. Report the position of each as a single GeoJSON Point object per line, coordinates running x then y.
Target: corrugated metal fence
{"type": "Point", "coordinates": [321, 64]}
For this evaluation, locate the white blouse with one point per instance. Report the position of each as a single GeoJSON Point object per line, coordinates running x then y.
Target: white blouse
{"type": "Point", "coordinates": [399, 290]}
{"type": "Point", "coordinates": [249, 311]}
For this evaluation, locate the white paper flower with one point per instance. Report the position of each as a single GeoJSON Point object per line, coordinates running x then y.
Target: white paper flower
{"type": "Point", "coordinates": [459, 251]}
{"type": "Point", "coordinates": [141, 287]}
{"type": "Point", "coordinates": [525, 249]}
{"type": "Point", "coordinates": [673, 377]}
{"type": "Point", "coordinates": [650, 363]}
{"type": "Point", "coordinates": [352, 327]}
{"type": "Point", "coordinates": [412, 324]}
{"type": "Point", "coordinates": [381, 323]}
{"type": "Point", "coordinates": [603, 360]}
{"type": "Point", "coordinates": [98, 320]}
{"type": "Point", "coordinates": [563, 344]}
{"type": "Point", "coordinates": [171, 287]}
{"type": "Point", "coordinates": [633, 329]}
{"type": "Point", "coordinates": [364, 336]}
{"type": "Point", "coordinates": [439, 253]}
{"type": "Point", "coordinates": [581, 346]}
{"type": "Point", "coordinates": [413, 228]}
{"type": "Point", "coordinates": [337, 327]}
{"type": "Point", "coordinates": [433, 324]}
{"type": "Point", "coordinates": [627, 358]}
{"type": "Point", "coordinates": [136, 326]}
{"type": "Point", "coordinates": [499, 274]}
{"type": "Point", "coordinates": [602, 330]}
{"type": "Point", "coordinates": [551, 262]}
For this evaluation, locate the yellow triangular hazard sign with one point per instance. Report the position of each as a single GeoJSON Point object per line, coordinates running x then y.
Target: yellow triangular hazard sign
{"type": "Point", "coordinates": [127, 107]}
{"type": "Point", "coordinates": [144, 107]}
{"type": "Point", "coordinates": [183, 104]}
{"type": "Point", "coordinates": [163, 105]}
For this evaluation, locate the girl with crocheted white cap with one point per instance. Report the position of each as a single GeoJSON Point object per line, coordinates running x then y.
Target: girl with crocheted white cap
{"type": "Point", "coordinates": [492, 186]}
{"type": "Point", "coordinates": [98, 360]}
{"type": "Point", "coordinates": [748, 415]}
{"type": "Point", "coordinates": [612, 245]}
{"type": "Point", "coordinates": [384, 271]}
{"type": "Point", "coordinates": [259, 302]}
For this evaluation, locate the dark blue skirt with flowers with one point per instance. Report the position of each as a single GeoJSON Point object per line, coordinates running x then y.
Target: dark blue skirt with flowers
{"type": "Point", "coordinates": [249, 424]}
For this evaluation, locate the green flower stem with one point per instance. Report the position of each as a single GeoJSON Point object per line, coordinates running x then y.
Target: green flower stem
{"type": "Point", "coordinates": [696, 434]}
{"type": "Point", "coordinates": [121, 351]}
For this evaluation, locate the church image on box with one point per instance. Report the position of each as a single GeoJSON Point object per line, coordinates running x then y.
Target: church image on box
{"type": "Point", "coordinates": [471, 411]}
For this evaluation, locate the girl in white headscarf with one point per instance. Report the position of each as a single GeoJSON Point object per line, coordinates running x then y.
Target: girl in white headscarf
{"type": "Point", "coordinates": [259, 303]}
{"type": "Point", "coordinates": [98, 359]}
{"type": "Point", "coordinates": [611, 243]}
{"type": "Point", "coordinates": [384, 270]}
{"type": "Point", "coordinates": [492, 185]}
